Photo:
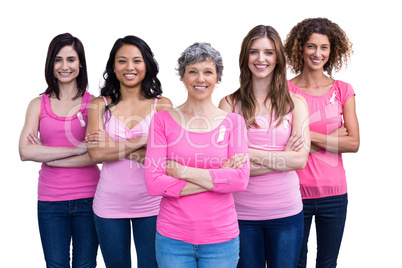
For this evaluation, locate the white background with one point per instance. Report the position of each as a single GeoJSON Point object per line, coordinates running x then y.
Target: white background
{"type": "Point", "coordinates": [373, 230]}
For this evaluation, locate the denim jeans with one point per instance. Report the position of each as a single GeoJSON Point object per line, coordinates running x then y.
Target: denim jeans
{"type": "Point", "coordinates": [115, 241]}
{"type": "Point", "coordinates": [330, 217]}
{"type": "Point", "coordinates": [172, 253]}
{"type": "Point", "coordinates": [63, 221]}
{"type": "Point", "coordinates": [276, 242]}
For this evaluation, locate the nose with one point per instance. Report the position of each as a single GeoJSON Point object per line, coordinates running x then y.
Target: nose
{"type": "Point", "coordinates": [200, 77]}
{"type": "Point", "coordinates": [64, 65]}
{"type": "Point", "coordinates": [317, 52]}
{"type": "Point", "coordinates": [261, 56]}
{"type": "Point", "coordinates": [130, 65]}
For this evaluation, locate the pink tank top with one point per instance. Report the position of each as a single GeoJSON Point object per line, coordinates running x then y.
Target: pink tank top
{"type": "Point", "coordinates": [121, 191]}
{"type": "Point", "coordinates": [274, 195]}
{"type": "Point", "coordinates": [61, 184]}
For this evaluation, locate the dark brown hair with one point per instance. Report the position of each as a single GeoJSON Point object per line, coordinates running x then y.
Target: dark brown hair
{"type": "Point", "coordinates": [55, 45]}
{"type": "Point", "coordinates": [340, 46]}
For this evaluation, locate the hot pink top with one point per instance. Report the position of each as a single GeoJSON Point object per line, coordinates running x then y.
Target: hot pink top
{"type": "Point", "coordinates": [274, 195]}
{"type": "Point", "coordinates": [62, 184]}
{"type": "Point", "coordinates": [121, 191]}
{"type": "Point", "coordinates": [208, 217]}
{"type": "Point", "coordinates": [324, 174]}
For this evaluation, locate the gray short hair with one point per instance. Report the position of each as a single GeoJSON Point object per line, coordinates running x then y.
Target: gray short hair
{"type": "Point", "coordinates": [200, 52]}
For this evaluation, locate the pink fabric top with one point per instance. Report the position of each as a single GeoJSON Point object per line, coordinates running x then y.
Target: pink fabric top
{"type": "Point", "coordinates": [324, 174]}
{"type": "Point", "coordinates": [121, 191]}
{"type": "Point", "coordinates": [274, 195]}
{"type": "Point", "coordinates": [208, 217]}
{"type": "Point", "coordinates": [62, 184]}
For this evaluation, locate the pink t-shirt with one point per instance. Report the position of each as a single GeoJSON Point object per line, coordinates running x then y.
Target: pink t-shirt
{"type": "Point", "coordinates": [121, 191]}
{"type": "Point", "coordinates": [274, 195]}
{"type": "Point", "coordinates": [324, 174]}
{"type": "Point", "coordinates": [208, 217]}
{"type": "Point", "coordinates": [62, 184]}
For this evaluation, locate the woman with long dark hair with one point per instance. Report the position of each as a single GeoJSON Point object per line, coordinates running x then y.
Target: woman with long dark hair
{"type": "Point", "coordinates": [117, 136]}
{"type": "Point", "coordinates": [68, 177]}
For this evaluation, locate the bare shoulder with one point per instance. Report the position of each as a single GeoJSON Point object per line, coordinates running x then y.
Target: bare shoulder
{"type": "Point", "coordinates": [163, 103]}
{"type": "Point", "coordinates": [34, 104]}
{"type": "Point", "coordinates": [226, 104]}
{"type": "Point", "coordinates": [298, 99]}
{"type": "Point", "coordinates": [99, 101]}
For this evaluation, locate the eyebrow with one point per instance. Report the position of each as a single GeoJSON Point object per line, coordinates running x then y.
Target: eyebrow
{"type": "Point", "coordinates": [136, 57]}
{"type": "Point", "coordinates": [270, 49]}
{"type": "Point", "coordinates": [67, 57]}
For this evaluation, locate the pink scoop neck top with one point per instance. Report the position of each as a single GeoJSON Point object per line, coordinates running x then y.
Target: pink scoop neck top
{"type": "Point", "coordinates": [324, 174]}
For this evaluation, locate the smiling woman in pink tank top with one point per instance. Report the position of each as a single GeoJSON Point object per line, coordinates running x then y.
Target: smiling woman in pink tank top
{"type": "Point", "coordinates": [117, 136]}
{"type": "Point", "coordinates": [270, 210]}
{"type": "Point", "coordinates": [68, 177]}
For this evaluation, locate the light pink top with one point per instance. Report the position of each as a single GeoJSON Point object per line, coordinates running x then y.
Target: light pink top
{"type": "Point", "coordinates": [274, 195]}
{"type": "Point", "coordinates": [121, 191]}
{"type": "Point", "coordinates": [62, 184]}
{"type": "Point", "coordinates": [324, 174]}
{"type": "Point", "coordinates": [208, 217]}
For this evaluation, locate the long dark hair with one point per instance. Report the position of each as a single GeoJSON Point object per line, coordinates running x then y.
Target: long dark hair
{"type": "Point", "coordinates": [55, 45]}
{"type": "Point", "coordinates": [281, 102]}
{"type": "Point", "coordinates": [150, 86]}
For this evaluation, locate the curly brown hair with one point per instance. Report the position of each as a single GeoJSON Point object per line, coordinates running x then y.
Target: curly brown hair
{"type": "Point", "coordinates": [340, 50]}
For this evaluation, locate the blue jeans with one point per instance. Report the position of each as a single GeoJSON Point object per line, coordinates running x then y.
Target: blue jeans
{"type": "Point", "coordinates": [276, 242]}
{"type": "Point", "coordinates": [63, 221]}
{"type": "Point", "coordinates": [172, 253]}
{"type": "Point", "coordinates": [330, 217]}
{"type": "Point", "coordinates": [115, 241]}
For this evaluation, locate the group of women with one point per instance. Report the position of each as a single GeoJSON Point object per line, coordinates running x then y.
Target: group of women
{"type": "Point", "coordinates": [200, 185]}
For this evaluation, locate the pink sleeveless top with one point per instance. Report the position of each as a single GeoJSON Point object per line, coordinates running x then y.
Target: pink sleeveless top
{"type": "Point", "coordinates": [274, 195]}
{"type": "Point", "coordinates": [62, 184]}
{"type": "Point", "coordinates": [121, 191]}
{"type": "Point", "coordinates": [324, 174]}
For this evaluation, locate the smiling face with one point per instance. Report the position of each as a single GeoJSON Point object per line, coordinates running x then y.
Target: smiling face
{"type": "Point", "coordinates": [262, 58]}
{"type": "Point", "coordinates": [129, 66]}
{"type": "Point", "coordinates": [200, 79]}
{"type": "Point", "coordinates": [66, 66]}
{"type": "Point", "coordinates": [316, 52]}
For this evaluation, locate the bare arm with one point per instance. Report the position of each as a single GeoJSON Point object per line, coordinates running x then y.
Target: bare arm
{"type": "Point", "coordinates": [72, 161]}
{"type": "Point", "coordinates": [289, 160]}
{"type": "Point", "coordinates": [139, 155]}
{"type": "Point", "coordinates": [337, 141]}
{"type": "Point", "coordinates": [30, 146]}
{"type": "Point", "coordinates": [101, 147]}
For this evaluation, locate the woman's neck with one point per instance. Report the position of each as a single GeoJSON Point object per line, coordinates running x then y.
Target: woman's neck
{"type": "Point", "coordinates": [131, 92]}
{"type": "Point", "coordinates": [67, 91]}
{"type": "Point", "coordinates": [312, 79]}
{"type": "Point", "coordinates": [198, 107]}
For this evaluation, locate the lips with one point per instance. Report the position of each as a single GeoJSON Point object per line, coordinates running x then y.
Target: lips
{"type": "Point", "coordinates": [260, 67]}
{"type": "Point", "coordinates": [65, 73]}
{"type": "Point", "coordinates": [316, 61]}
{"type": "Point", "coordinates": [130, 76]}
{"type": "Point", "coordinates": [200, 88]}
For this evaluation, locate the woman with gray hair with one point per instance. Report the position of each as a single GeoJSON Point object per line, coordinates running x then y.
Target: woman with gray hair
{"type": "Point", "coordinates": [196, 158]}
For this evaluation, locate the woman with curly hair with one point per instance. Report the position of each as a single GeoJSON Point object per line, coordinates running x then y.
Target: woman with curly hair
{"type": "Point", "coordinates": [117, 134]}
{"type": "Point", "coordinates": [315, 47]}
